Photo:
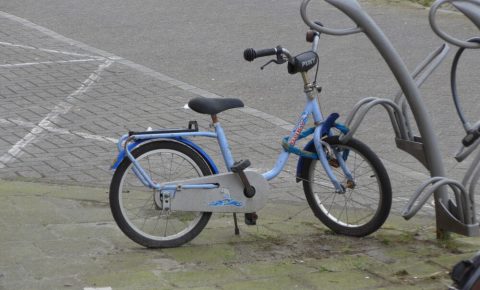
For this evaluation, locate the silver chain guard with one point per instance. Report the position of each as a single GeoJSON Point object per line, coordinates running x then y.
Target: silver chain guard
{"type": "Point", "coordinates": [228, 197]}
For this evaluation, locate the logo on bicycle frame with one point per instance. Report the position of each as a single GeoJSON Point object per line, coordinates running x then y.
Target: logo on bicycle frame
{"type": "Point", "coordinates": [298, 130]}
{"type": "Point", "coordinates": [226, 201]}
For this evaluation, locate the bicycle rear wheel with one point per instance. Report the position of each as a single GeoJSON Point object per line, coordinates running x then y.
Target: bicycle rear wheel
{"type": "Point", "coordinates": [365, 205]}
{"type": "Point", "coordinates": [133, 205]}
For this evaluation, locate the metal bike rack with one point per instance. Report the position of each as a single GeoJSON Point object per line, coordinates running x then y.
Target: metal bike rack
{"type": "Point", "coordinates": [451, 216]}
{"type": "Point", "coordinates": [397, 109]}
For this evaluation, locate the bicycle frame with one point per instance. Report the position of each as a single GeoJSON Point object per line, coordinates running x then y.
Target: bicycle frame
{"type": "Point", "coordinates": [312, 107]}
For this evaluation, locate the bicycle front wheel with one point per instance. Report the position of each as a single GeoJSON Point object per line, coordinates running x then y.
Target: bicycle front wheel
{"type": "Point", "coordinates": [366, 202]}
{"type": "Point", "coordinates": [134, 207]}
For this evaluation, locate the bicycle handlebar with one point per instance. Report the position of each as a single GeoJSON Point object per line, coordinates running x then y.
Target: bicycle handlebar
{"type": "Point", "coordinates": [250, 54]}
{"type": "Point", "coordinates": [326, 30]}
{"type": "Point", "coordinates": [300, 63]}
{"type": "Point", "coordinates": [470, 9]}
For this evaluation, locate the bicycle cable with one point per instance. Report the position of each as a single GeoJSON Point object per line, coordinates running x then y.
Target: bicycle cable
{"type": "Point", "coordinates": [318, 65]}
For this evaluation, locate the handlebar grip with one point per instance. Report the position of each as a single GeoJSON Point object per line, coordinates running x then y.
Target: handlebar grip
{"type": "Point", "coordinates": [250, 54]}
{"type": "Point", "coordinates": [471, 137]}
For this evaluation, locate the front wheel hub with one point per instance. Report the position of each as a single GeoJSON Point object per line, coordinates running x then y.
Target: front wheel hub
{"type": "Point", "coordinates": [350, 184]}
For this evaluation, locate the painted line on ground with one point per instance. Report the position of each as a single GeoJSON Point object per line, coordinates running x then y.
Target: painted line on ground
{"type": "Point", "coordinates": [57, 130]}
{"type": "Point", "coordinates": [11, 65]}
{"type": "Point", "coordinates": [57, 36]}
{"type": "Point", "coordinates": [60, 109]}
{"type": "Point", "coordinates": [48, 50]}
{"type": "Point", "coordinates": [185, 86]}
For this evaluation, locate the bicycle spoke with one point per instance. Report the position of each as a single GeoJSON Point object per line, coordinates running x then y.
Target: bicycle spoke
{"type": "Point", "coordinates": [138, 204]}
{"type": "Point", "coordinates": [359, 203]}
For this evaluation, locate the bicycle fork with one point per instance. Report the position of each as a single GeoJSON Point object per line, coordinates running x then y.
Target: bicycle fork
{"type": "Point", "coordinates": [326, 161]}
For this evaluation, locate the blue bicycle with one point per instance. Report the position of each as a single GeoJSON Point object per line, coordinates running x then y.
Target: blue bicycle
{"type": "Point", "coordinates": [165, 187]}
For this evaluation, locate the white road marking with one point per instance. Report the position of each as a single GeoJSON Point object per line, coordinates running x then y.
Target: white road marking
{"type": "Point", "coordinates": [59, 130]}
{"type": "Point", "coordinates": [10, 65]}
{"type": "Point", "coordinates": [49, 50]}
{"type": "Point", "coordinates": [101, 53]}
{"type": "Point", "coordinates": [60, 109]}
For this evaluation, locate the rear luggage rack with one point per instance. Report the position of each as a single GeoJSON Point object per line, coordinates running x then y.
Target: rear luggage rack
{"type": "Point", "coordinates": [192, 127]}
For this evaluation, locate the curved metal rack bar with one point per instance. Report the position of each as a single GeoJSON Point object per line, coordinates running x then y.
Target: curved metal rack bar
{"type": "Point", "coordinates": [470, 8]}
{"type": "Point", "coordinates": [357, 115]}
{"type": "Point", "coordinates": [424, 192]}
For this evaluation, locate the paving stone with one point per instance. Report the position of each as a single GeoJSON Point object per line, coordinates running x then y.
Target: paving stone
{"type": "Point", "coordinates": [278, 283]}
{"type": "Point", "coordinates": [339, 280]}
{"type": "Point", "coordinates": [189, 279]}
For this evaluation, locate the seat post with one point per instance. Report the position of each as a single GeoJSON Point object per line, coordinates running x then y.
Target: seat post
{"type": "Point", "coordinates": [214, 118]}
{"type": "Point", "coordinates": [222, 142]}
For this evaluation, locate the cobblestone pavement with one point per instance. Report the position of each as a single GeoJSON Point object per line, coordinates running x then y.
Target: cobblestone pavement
{"type": "Point", "coordinates": [64, 104]}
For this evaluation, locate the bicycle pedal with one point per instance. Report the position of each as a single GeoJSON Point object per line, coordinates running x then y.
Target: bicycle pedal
{"type": "Point", "coordinates": [240, 165]}
{"type": "Point", "coordinates": [251, 218]}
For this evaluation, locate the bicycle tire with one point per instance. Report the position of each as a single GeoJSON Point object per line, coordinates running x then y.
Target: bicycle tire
{"type": "Point", "coordinates": [123, 200]}
{"type": "Point", "coordinates": [335, 214]}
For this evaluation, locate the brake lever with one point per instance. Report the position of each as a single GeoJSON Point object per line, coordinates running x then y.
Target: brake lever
{"type": "Point", "coordinates": [279, 60]}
